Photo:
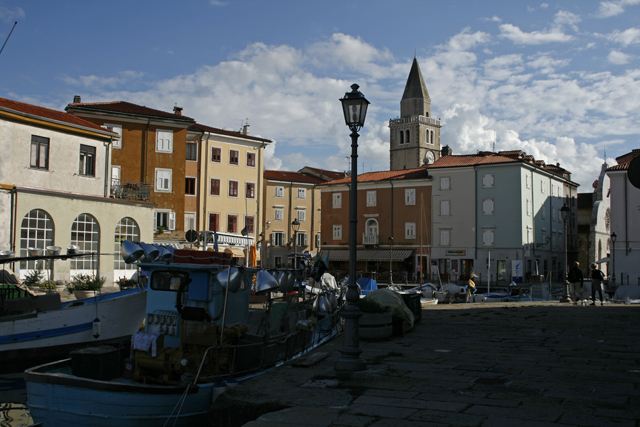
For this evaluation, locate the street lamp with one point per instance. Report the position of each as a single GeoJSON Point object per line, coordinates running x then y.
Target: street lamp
{"type": "Point", "coordinates": [391, 260]}
{"type": "Point", "coordinates": [564, 211]}
{"type": "Point", "coordinates": [354, 107]}
{"type": "Point", "coordinates": [613, 259]}
{"type": "Point", "coordinates": [296, 226]}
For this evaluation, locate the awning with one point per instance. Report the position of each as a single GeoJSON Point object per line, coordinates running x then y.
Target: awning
{"type": "Point", "coordinates": [236, 252]}
{"type": "Point", "coordinates": [368, 254]}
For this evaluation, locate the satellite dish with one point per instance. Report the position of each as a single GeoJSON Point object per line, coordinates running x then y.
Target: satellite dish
{"type": "Point", "coordinates": [131, 252]}
{"type": "Point", "coordinates": [634, 172]}
{"type": "Point", "coordinates": [191, 236]}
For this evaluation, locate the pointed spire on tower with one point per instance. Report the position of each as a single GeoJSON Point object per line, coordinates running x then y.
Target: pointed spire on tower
{"type": "Point", "coordinates": [415, 99]}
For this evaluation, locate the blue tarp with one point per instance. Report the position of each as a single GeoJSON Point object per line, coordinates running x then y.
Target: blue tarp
{"type": "Point", "coordinates": [366, 285]}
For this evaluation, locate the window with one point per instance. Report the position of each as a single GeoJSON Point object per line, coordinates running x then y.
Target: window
{"type": "Point", "coordinates": [279, 192]}
{"type": "Point", "coordinates": [318, 240]}
{"type": "Point", "coordinates": [278, 214]}
{"type": "Point", "coordinates": [192, 151]}
{"type": "Point", "coordinates": [487, 207]}
{"type": "Point", "coordinates": [445, 206]}
{"type": "Point", "coordinates": [164, 141]}
{"type": "Point", "coordinates": [127, 229]}
{"type": "Point", "coordinates": [190, 186]}
{"type": "Point", "coordinates": [214, 222]}
{"type": "Point", "coordinates": [87, 160]}
{"type": "Point", "coordinates": [302, 193]}
{"type": "Point", "coordinates": [189, 221]}
{"type": "Point", "coordinates": [487, 237]}
{"type": "Point", "coordinates": [408, 138]}
{"type": "Point", "coordinates": [410, 196]}
{"type": "Point", "coordinates": [409, 230]}
{"type": "Point", "coordinates": [371, 198]}
{"type": "Point", "coordinates": [251, 160]}
{"type": "Point", "coordinates": [216, 154]}
{"type": "Point", "coordinates": [214, 187]}
{"type": "Point", "coordinates": [337, 200]}
{"type": "Point", "coordinates": [337, 232]}
{"type": "Point", "coordinates": [542, 186]}
{"type": "Point", "coordinates": [528, 181]}
{"type": "Point", "coordinates": [117, 143]}
{"type": "Point", "coordinates": [278, 238]}
{"type": "Point", "coordinates": [85, 233]}
{"type": "Point", "coordinates": [39, 152]}
{"type": "Point", "coordinates": [232, 223]}
{"type": "Point", "coordinates": [163, 180]}
{"type": "Point", "coordinates": [401, 133]}
{"type": "Point", "coordinates": [249, 222]}
{"type": "Point", "coordinates": [251, 190]}
{"type": "Point", "coordinates": [543, 212]}
{"type": "Point", "coordinates": [36, 231]}
{"type": "Point", "coordinates": [529, 235]}
{"type": "Point", "coordinates": [528, 207]}
{"type": "Point", "coordinates": [234, 155]}
{"type": "Point", "coordinates": [301, 239]}
{"type": "Point", "coordinates": [444, 183]}
{"type": "Point", "coordinates": [165, 219]}
{"type": "Point", "coordinates": [487, 180]}
{"type": "Point", "coordinates": [544, 236]}
{"type": "Point", "coordinates": [233, 188]}
{"type": "Point", "coordinates": [445, 237]}
{"type": "Point", "coordinates": [301, 215]}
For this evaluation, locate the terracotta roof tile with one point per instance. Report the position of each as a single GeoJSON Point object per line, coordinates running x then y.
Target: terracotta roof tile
{"type": "Point", "coordinates": [197, 127]}
{"type": "Point", "coordinates": [483, 158]}
{"type": "Point", "coordinates": [328, 173]}
{"type": "Point", "coordinates": [50, 114]}
{"type": "Point", "coordinates": [619, 167]}
{"type": "Point", "coordinates": [123, 107]}
{"type": "Point", "coordinates": [386, 175]}
{"type": "Point", "coordinates": [291, 176]}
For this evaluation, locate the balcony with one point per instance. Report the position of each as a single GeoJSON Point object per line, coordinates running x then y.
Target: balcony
{"type": "Point", "coordinates": [370, 239]}
{"type": "Point", "coordinates": [130, 190]}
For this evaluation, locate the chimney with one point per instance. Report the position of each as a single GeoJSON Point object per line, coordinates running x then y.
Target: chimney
{"type": "Point", "coordinates": [77, 99]}
{"type": "Point", "coordinates": [245, 130]}
{"type": "Point", "coordinates": [177, 110]}
{"type": "Point", "coordinates": [446, 151]}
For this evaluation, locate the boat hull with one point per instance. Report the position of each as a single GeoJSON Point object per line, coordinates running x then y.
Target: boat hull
{"type": "Point", "coordinates": [59, 331]}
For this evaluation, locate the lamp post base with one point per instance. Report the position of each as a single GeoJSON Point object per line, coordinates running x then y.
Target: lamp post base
{"type": "Point", "coordinates": [350, 359]}
{"type": "Point", "coordinates": [565, 293]}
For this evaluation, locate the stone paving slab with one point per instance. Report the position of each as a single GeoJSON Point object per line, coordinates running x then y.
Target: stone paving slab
{"type": "Point", "coordinates": [495, 364]}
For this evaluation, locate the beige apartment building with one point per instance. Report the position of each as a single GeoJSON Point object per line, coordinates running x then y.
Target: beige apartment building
{"type": "Point", "coordinates": [291, 196]}
{"type": "Point", "coordinates": [227, 185]}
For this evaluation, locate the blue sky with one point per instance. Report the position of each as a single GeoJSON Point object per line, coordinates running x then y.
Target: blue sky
{"type": "Point", "coordinates": [559, 80]}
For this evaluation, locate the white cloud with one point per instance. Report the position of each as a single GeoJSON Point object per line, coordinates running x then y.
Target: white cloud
{"type": "Point", "coordinates": [626, 37]}
{"type": "Point", "coordinates": [546, 63]}
{"type": "Point", "coordinates": [517, 36]}
{"type": "Point", "coordinates": [613, 8]}
{"type": "Point", "coordinates": [466, 40]}
{"type": "Point", "coordinates": [94, 81]}
{"type": "Point", "coordinates": [618, 58]}
{"type": "Point", "coordinates": [8, 15]}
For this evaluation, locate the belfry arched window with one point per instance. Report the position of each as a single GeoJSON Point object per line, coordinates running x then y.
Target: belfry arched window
{"type": "Point", "coordinates": [408, 138]}
{"type": "Point", "coordinates": [401, 137]}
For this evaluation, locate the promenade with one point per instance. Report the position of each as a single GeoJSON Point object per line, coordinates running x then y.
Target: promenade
{"type": "Point", "coordinates": [524, 364]}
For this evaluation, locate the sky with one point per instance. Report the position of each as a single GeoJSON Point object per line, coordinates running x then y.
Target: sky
{"type": "Point", "coordinates": [559, 80]}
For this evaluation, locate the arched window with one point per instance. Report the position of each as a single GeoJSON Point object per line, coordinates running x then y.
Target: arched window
{"type": "Point", "coordinates": [599, 250]}
{"type": "Point", "coordinates": [85, 233]}
{"type": "Point", "coordinates": [408, 138]}
{"type": "Point", "coordinates": [36, 231]}
{"type": "Point", "coordinates": [127, 229]}
{"type": "Point", "coordinates": [372, 227]}
{"type": "Point", "coordinates": [432, 137]}
{"type": "Point", "coordinates": [401, 137]}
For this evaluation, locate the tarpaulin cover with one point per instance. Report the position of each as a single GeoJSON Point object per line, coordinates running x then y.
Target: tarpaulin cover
{"type": "Point", "coordinates": [396, 305]}
{"type": "Point", "coordinates": [366, 285]}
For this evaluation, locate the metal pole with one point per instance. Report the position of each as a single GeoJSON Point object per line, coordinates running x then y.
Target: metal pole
{"type": "Point", "coordinates": [565, 291]}
{"type": "Point", "coordinates": [350, 359]}
{"type": "Point", "coordinates": [390, 260]}
{"type": "Point", "coordinates": [295, 249]}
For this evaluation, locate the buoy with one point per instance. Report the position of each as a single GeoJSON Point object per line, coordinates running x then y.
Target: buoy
{"type": "Point", "coordinates": [95, 327]}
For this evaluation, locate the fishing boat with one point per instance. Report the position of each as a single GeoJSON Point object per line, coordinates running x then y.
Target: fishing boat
{"type": "Point", "coordinates": [209, 325]}
{"type": "Point", "coordinates": [41, 327]}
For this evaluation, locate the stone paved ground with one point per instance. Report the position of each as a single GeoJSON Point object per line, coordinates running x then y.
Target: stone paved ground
{"type": "Point", "coordinates": [496, 364]}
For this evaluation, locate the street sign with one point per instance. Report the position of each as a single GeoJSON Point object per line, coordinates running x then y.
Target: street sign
{"type": "Point", "coordinates": [191, 236]}
{"type": "Point", "coordinates": [527, 250]}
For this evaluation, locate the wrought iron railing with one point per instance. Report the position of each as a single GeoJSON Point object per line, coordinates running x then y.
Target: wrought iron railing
{"type": "Point", "coordinates": [370, 239]}
{"type": "Point", "coordinates": [130, 190]}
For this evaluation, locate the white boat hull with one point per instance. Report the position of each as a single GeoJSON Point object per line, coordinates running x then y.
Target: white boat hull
{"type": "Point", "coordinates": [120, 316]}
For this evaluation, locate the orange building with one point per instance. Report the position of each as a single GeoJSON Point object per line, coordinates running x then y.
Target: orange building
{"type": "Point", "coordinates": [149, 161]}
{"type": "Point", "coordinates": [394, 222]}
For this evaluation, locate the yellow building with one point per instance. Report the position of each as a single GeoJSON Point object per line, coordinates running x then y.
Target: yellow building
{"type": "Point", "coordinates": [228, 182]}
{"type": "Point", "coordinates": [288, 197]}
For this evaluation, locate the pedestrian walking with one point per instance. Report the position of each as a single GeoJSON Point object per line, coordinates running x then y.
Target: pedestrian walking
{"type": "Point", "coordinates": [596, 283]}
{"type": "Point", "coordinates": [576, 278]}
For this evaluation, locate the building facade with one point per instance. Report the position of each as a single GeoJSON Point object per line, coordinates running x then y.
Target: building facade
{"type": "Point", "coordinates": [498, 215]}
{"type": "Point", "coordinates": [55, 191]}
{"type": "Point", "coordinates": [148, 161]}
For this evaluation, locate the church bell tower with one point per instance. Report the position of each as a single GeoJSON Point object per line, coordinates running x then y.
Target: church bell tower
{"type": "Point", "coordinates": [415, 136]}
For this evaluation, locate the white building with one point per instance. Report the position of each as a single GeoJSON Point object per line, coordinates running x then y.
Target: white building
{"type": "Point", "coordinates": [54, 187]}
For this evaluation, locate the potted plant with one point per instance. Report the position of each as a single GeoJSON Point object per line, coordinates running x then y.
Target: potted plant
{"type": "Point", "coordinates": [85, 286]}
{"type": "Point", "coordinates": [52, 285]}
{"type": "Point", "coordinates": [376, 322]}
{"type": "Point", "coordinates": [33, 278]}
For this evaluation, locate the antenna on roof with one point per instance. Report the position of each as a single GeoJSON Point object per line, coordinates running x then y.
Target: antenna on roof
{"type": "Point", "coordinates": [5, 42]}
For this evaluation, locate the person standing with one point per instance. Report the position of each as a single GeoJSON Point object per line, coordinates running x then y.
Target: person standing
{"type": "Point", "coordinates": [576, 278]}
{"type": "Point", "coordinates": [596, 283]}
